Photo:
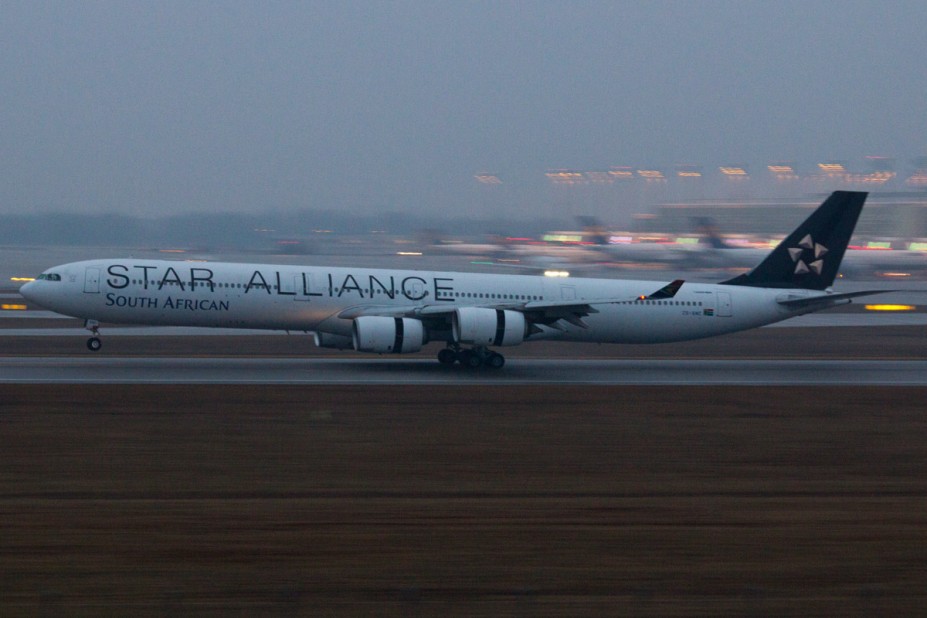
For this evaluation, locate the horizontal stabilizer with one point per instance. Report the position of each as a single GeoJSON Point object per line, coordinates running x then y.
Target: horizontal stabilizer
{"type": "Point", "coordinates": [825, 300]}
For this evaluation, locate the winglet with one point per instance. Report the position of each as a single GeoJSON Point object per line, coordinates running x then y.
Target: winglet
{"type": "Point", "coordinates": [667, 291]}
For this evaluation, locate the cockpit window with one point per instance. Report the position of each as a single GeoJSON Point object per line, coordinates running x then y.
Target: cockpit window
{"type": "Point", "coordinates": [50, 277]}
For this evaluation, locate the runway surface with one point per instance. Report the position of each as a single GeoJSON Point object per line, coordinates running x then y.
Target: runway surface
{"type": "Point", "coordinates": [824, 320]}
{"type": "Point", "coordinates": [168, 370]}
{"type": "Point", "coordinates": [227, 500]}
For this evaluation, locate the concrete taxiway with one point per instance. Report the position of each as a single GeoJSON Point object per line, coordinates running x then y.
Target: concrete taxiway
{"type": "Point", "coordinates": [170, 370]}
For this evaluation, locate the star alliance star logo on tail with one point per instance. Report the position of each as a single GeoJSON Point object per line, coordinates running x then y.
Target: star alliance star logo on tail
{"type": "Point", "coordinates": [808, 256]}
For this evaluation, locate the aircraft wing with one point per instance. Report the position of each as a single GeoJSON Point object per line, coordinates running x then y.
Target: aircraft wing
{"type": "Point", "coordinates": [536, 312]}
{"type": "Point", "coordinates": [825, 300]}
{"type": "Point", "coordinates": [550, 312]}
{"type": "Point", "coordinates": [426, 311]}
{"type": "Point", "coordinates": [388, 311]}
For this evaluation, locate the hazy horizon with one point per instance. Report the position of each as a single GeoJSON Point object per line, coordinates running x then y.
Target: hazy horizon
{"type": "Point", "coordinates": [172, 107]}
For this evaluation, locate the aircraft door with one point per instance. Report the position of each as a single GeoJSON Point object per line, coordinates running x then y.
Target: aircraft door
{"type": "Point", "coordinates": [289, 286]}
{"type": "Point", "coordinates": [725, 309]}
{"type": "Point", "coordinates": [304, 288]}
{"type": "Point", "coordinates": [92, 281]}
{"type": "Point", "coordinates": [567, 292]}
{"type": "Point", "coordinates": [415, 290]}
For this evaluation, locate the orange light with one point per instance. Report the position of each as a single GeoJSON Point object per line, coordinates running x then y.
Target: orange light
{"type": "Point", "coordinates": [621, 172]}
{"type": "Point", "coordinates": [733, 171]}
{"type": "Point", "coordinates": [891, 307]}
{"type": "Point", "coordinates": [565, 177]}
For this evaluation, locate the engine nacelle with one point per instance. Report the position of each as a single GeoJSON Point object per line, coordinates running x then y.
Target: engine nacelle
{"type": "Point", "coordinates": [481, 326]}
{"type": "Point", "coordinates": [388, 335]}
{"type": "Point", "coordinates": [334, 342]}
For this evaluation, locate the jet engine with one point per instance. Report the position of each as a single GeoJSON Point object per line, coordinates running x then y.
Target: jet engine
{"type": "Point", "coordinates": [481, 326]}
{"type": "Point", "coordinates": [385, 335]}
{"type": "Point", "coordinates": [334, 342]}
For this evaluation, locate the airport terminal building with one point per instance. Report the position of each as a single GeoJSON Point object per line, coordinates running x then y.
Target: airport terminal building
{"type": "Point", "coordinates": [900, 215]}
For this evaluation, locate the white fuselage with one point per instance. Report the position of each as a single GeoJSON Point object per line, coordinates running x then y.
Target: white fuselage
{"type": "Point", "coordinates": [306, 298]}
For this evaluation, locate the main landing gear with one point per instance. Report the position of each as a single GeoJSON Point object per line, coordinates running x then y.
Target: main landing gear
{"type": "Point", "coordinates": [93, 344]}
{"type": "Point", "coordinates": [472, 358]}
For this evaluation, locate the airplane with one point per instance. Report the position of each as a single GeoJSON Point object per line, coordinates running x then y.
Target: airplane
{"type": "Point", "coordinates": [388, 311]}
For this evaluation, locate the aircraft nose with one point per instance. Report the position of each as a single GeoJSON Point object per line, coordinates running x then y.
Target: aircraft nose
{"type": "Point", "coordinates": [27, 289]}
{"type": "Point", "coordinates": [32, 292]}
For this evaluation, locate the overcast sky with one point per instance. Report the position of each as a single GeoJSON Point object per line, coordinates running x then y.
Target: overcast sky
{"type": "Point", "coordinates": [161, 107]}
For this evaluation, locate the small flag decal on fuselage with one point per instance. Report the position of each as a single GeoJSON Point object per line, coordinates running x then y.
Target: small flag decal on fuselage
{"type": "Point", "coordinates": [708, 311]}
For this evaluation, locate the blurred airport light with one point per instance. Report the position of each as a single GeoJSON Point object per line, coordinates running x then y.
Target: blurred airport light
{"type": "Point", "coordinates": [886, 307]}
{"type": "Point", "coordinates": [652, 175]}
{"type": "Point", "coordinates": [734, 172]}
{"type": "Point", "coordinates": [488, 179]}
{"type": "Point", "coordinates": [565, 177]}
{"type": "Point", "coordinates": [621, 173]}
{"type": "Point", "coordinates": [881, 170]}
{"type": "Point", "coordinates": [688, 171]}
{"type": "Point", "coordinates": [783, 171]}
{"type": "Point", "coordinates": [878, 178]}
{"type": "Point", "coordinates": [919, 177]}
{"type": "Point", "coordinates": [562, 238]}
{"type": "Point", "coordinates": [833, 169]}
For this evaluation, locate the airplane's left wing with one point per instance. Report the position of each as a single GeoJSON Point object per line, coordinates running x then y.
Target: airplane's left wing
{"type": "Point", "coordinates": [551, 312]}
{"type": "Point", "coordinates": [387, 311]}
{"type": "Point", "coordinates": [539, 309]}
{"type": "Point", "coordinates": [544, 312]}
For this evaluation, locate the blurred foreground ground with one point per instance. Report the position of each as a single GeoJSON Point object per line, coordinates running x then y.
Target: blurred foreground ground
{"type": "Point", "coordinates": [566, 501]}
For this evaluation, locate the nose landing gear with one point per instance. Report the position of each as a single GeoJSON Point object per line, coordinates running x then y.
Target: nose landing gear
{"type": "Point", "coordinates": [93, 344]}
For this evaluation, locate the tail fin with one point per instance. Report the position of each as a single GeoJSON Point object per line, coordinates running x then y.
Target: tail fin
{"type": "Point", "coordinates": [707, 228]}
{"type": "Point", "coordinates": [810, 256]}
{"type": "Point", "coordinates": [593, 230]}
